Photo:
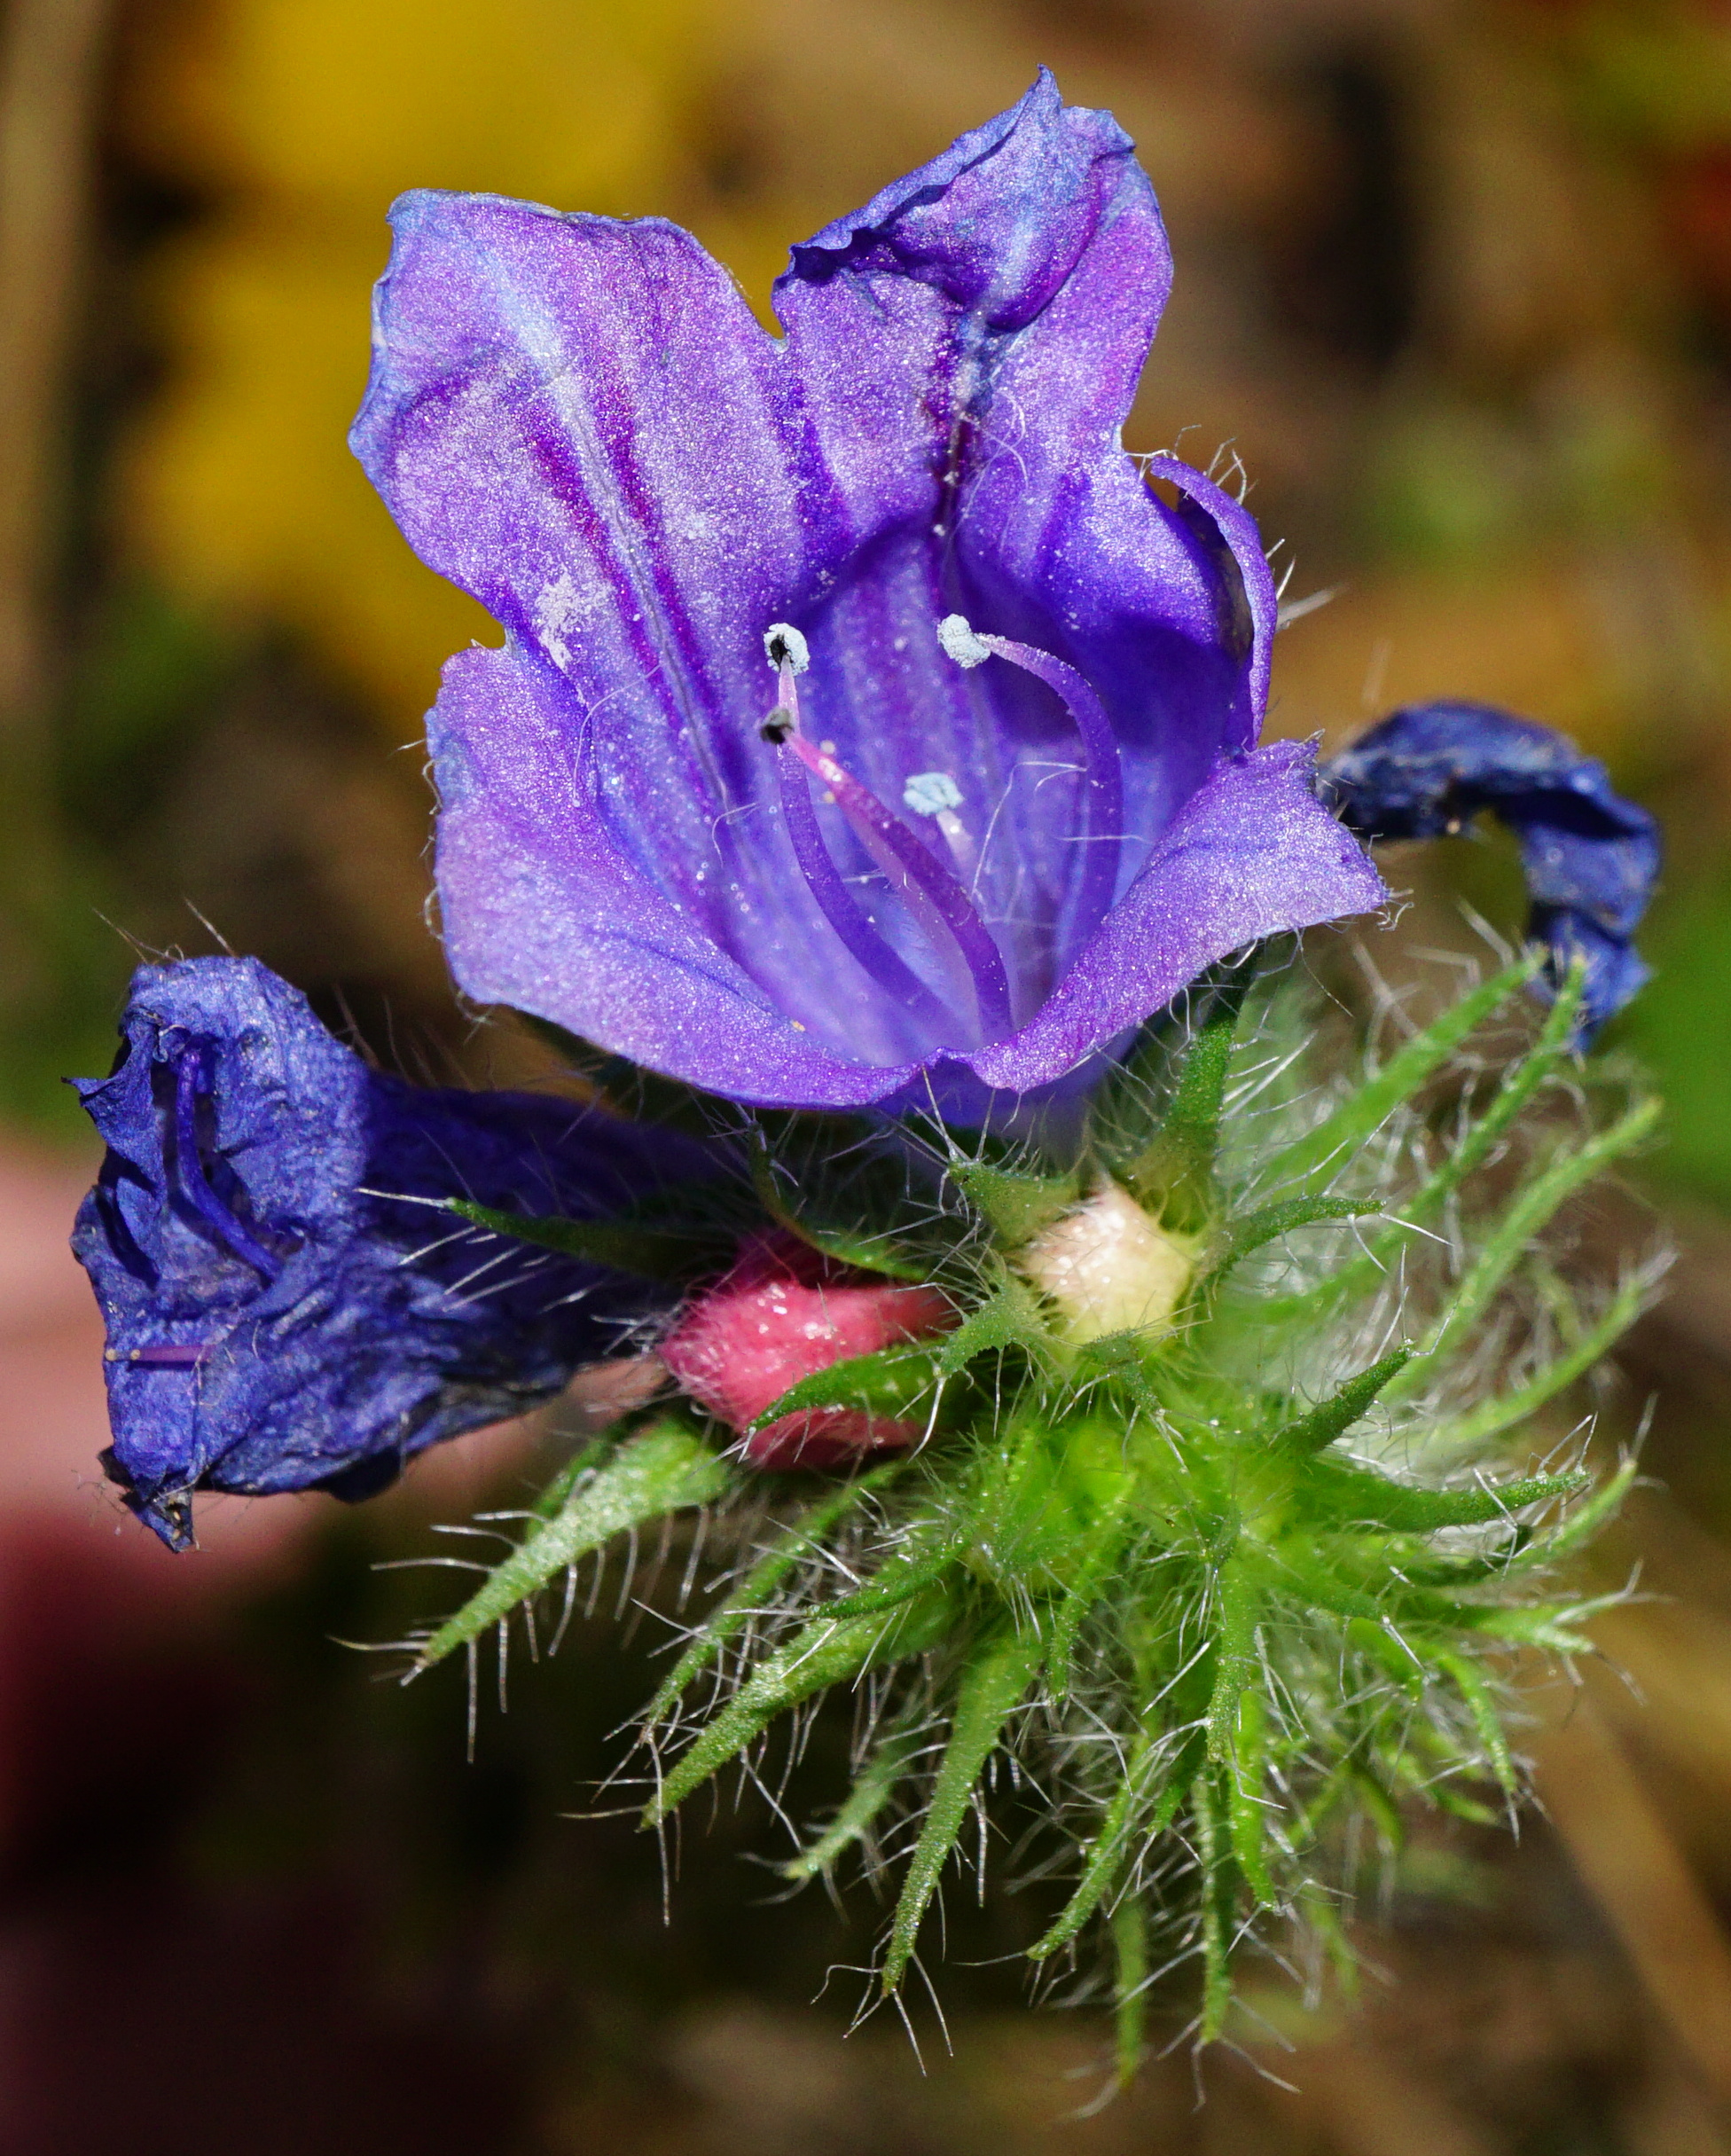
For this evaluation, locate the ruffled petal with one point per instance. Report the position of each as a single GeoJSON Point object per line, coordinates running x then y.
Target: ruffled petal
{"type": "Point", "coordinates": [1591, 859]}
{"type": "Point", "coordinates": [1253, 853]}
{"type": "Point", "coordinates": [284, 1309]}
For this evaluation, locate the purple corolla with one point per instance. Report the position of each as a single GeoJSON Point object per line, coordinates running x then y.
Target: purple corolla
{"type": "Point", "coordinates": [864, 715]}
{"type": "Point", "coordinates": [1590, 857]}
{"type": "Point", "coordinates": [287, 1305]}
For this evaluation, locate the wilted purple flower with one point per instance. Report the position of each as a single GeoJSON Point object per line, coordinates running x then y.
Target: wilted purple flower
{"type": "Point", "coordinates": [281, 1313]}
{"type": "Point", "coordinates": [1590, 857]}
{"type": "Point", "coordinates": [978, 851]}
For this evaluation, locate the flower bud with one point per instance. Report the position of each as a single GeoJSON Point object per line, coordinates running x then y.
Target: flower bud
{"type": "Point", "coordinates": [784, 1312]}
{"type": "Point", "coordinates": [1109, 1268]}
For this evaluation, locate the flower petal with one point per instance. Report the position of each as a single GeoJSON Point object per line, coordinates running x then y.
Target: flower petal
{"type": "Point", "coordinates": [1252, 854]}
{"type": "Point", "coordinates": [364, 1325]}
{"type": "Point", "coordinates": [543, 910]}
{"type": "Point", "coordinates": [1591, 858]}
{"type": "Point", "coordinates": [580, 422]}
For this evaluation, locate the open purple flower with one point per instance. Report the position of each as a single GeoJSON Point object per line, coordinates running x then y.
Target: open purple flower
{"type": "Point", "coordinates": [1590, 857]}
{"type": "Point", "coordinates": [996, 795]}
{"type": "Point", "coordinates": [282, 1313]}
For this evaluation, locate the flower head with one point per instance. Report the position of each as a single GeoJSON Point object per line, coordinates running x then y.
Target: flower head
{"type": "Point", "coordinates": [285, 1309]}
{"type": "Point", "coordinates": [863, 716]}
{"type": "Point", "coordinates": [1590, 857]}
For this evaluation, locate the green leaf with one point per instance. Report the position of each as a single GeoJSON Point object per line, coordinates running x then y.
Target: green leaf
{"type": "Point", "coordinates": [1339, 1136]}
{"type": "Point", "coordinates": [991, 1688]}
{"type": "Point", "coordinates": [736, 1611]}
{"type": "Point", "coordinates": [1508, 1241]}
{"type": "Point", "coordinates": [892, 1382]}
{"type": "Point", "coordinates": [1252, 1230]}
{"type": "Point", "coordinates": [872, 1790]}
{"type": "Point", "coordinates": [1357, 1496]}
{"type": "Point", "coordinates": [1015, 1207]}
{"type": "Point", "coordinates": [662, 1469]}
{"type": "Point", "coordinates": [1314, 1431]}
{"type": "Point", "coordinates": [822, 1653]}
{"type": "Point", "coordinates": [646, 1253]}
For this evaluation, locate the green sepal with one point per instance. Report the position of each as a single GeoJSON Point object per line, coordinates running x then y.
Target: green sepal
{"type": "Point", "coordinates": [1015, 1206]}
{"type": "Point", "coordinates": [1251, 1230]}
{"type": "Point", "coordinates": [867, 1253]}
{"type": "Point", "coordinates": [1172, 1176]}
{"type": "Point", "coordinates": [1510, 1238]}
{"type": "Point", "coordinates": [630, 1091]}
{"type": "Point", "coordinates": [873, 1786]}
{"type": "Point", "coordinates": [1514, 1089]}
{"type": "Point", "coordinates": [1364, 1113]}
{"type": "Point", "coordinates": [645, 1253]}
{"type": "Point", "coordinates": [1348, 1497]}
{"type": "Point", "coordinates": [822, 1652]}
{"type": "Point", "coordinates": [736, 1611]}
{"type": "Point", "coordinates": [662, 1469]}
{"type": "Point", "coordinates": [1130, 1988]}
{"type": "Point", "coordinates": [991, 1688]}
{"type": "Point", "coordinates": [1008, 1318]}
{"type": "Point", "coordinates": [1316, 1430]}
{"type": "Point", "coordinates": [891, 1380]}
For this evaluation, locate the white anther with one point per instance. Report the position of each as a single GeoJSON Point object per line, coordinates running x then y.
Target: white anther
{"type": "Point", "coordinates": [784, 646]}
{"type": "Point", "coordinates": [929, 793]}
{"type": "Point", "coordinates": [956, 634]}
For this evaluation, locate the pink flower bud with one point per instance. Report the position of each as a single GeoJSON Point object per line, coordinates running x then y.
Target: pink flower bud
{"type": "Point", "coordinates": [782, 1313]}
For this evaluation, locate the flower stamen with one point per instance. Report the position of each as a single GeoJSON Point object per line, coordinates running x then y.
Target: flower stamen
{"type": "Point", "coordinates": [1103, 780]}
{"type": "Point", "coordinates": [937, 901]}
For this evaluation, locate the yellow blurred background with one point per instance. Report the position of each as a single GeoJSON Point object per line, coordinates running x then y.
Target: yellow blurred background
{"type": "Point", "coordinates": [1455, 283]}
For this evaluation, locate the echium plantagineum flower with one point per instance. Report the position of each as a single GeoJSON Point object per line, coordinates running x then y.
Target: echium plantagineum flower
{"type": "Point", "coordinates": [866, 724]}
{"type": "Point", "coordinates": [288, 1306]}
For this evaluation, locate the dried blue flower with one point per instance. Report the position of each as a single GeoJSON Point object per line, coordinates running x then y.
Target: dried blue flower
{"type": "Point", "coordinates": [729, 801]}
{"type": "Point", "coordinates": [1590, 857]}
{"type": "Point", "coordinates": [282, 1313]}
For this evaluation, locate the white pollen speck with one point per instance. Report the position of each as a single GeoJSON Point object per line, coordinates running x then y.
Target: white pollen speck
{"type": "Point", "coordinates": [782, 640]}
{"type": "Point", "coordinates": [828, 747]}
{"type": "Point", "coordinates": [929, 793]}
{"type": "Point", "coordinates": [956, 634]}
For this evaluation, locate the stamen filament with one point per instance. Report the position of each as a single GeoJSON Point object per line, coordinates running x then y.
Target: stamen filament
{"type": "Point", "coordinates": [188, 1070]}
{"type": "Point", "coordinates": [837, 902]}
{"type": "Point", "coordinates": [1102, 839]}
{"type": "Point", "coordinates": [938, 901]}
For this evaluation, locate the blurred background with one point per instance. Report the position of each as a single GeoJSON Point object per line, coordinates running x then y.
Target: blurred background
{"type": "Point", "coordinates": [1455, 283]}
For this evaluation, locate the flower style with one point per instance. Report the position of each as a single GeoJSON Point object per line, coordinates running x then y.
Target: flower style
{"type": "Point", "coordinates": [1590, 857]}
{"type": "Point", "coordinates": [996, 795]}
{"type": "Point", "coordinates": [285, 1308]}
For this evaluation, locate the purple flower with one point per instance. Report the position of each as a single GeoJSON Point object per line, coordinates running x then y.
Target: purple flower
{"type": "Point", "coordinates": [863, 713]}
{"type": "Point", "coordinates": [1590, 857]}
{"type": "Point", "coordinates": [281, 1313]}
